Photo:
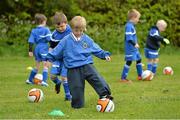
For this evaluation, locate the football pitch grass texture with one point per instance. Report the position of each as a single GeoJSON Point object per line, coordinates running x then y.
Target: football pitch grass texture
{"type": "Point", "coordinates": [156, 99]}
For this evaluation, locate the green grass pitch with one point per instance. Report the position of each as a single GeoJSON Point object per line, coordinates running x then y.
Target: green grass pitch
{"type": "Point", "coordinates": [156, 99]}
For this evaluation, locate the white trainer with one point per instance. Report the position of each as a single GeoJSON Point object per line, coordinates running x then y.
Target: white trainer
{"type": "Point", "coordinates": [44, 84]}
{"type": "Point", "coordinates": [28, 82]}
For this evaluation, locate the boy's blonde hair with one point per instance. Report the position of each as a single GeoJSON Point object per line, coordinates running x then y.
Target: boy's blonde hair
{"type": "Point", "coordinates": [78, 22]}
{"type": "Point", "coordinates": [39, 18]}
{"type": "Point", "coordinates": [133, 13]}
{"type": "Point", "coordinates": [59, 17]}
{"type": "Point", "coordinates": [161, 23]}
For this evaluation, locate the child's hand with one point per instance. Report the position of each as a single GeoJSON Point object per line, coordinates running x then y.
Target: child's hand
{"type": "Point", "coordinates": [166, 41]}
{"type": "Point", "coordinates": [136, 45]}
{"type": "Point", "coordinates": [50, 49]}
{"type": "Point", "coordinates": [108, 58]}
{"type": "Point", "coordinates": [30, 54]}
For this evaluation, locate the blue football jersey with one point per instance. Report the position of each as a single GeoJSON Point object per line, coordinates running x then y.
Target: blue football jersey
{"type": "Point", "coordinates": [76, 53]}
{"type": "Point", "coordinates": [130, 34]}
{"type": "Point", "coordinates": [40, 34]}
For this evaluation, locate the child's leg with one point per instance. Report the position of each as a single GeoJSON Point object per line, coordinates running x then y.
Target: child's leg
{"type": "Point", "coordinates": [45, 73]}
{"type": "Point", "coordinates": [55, 71]}
{"type": "Point", "coordinates": [155, 65]}
{"type": "Point", "coordinates": [65, 82]}
{"type": "Point", "coordinates": [139, 68]}
{"type": "Point", "coordinates": [96, 81]}
{"type": "Point", "coordinates": [55, 79]}
{"type": "Point", "coordinates": [66, 88]}
{"type": "Point", "coordinates": [126, 70]}
{"type": "Point", "coordinates": [32, 74]}
{"type": "Point", "coordinates": [150, 64]}
{"type": "Point", "coordinates": [76, 85]}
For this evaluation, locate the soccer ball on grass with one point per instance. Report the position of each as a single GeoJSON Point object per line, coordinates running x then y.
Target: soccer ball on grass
{"type": "Point", "coordinates": [38, 79]}
{"type": "Point", "coordinates": [105, 105]}
{"type": "Point", "coordinates": [35, 95]}
{"type": "Point", "coordinates": [168, 71]}
{"type": "Point", "coordinates": [147, 75]}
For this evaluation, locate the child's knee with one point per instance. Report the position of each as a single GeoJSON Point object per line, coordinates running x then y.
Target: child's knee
{"type": "Point", "coordinates": [53, 77]}
{"type": "Point", "coordinates": [156, 60]}
{"type": "Point", "coordinates": [77, 97]}
{"type": "Point", "coordinates": [63, 78]}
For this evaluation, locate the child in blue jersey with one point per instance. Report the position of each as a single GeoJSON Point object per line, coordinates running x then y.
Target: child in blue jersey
{"type": "Point", "coordinates": [154, 39]}
{"type": "Point", "coordinates": [75, 49]}
{"type": "Point", "coordinates": [131, 46]}
{"type": "Point", "coordinates": [62, 29]}
{"type": "Point", "coordinates": [40, 36]}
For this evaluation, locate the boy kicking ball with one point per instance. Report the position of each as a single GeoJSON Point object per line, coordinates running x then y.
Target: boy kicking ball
{"type": "Point", "coordinates": [75, 49]}
{"type": "Point", "coordinates": [154, 39]}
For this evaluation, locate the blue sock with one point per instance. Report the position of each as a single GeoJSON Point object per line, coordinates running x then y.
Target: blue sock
{"type": "Point", "coordinates": [149, 66]}
{"type": "Point", "coordinates": [45, 75]}
{"type": "Point", "coordinates": [66, 89]}
{"type": "Point", "coordinates": [139, 69]}
{"type": "Point", "coordinates": [154, 68]}
{"type": "Point", "coordinates": [32, 74]}
{"type": "Point", "coordinates": [57, 81]}
{"type": "Point", "coordinates": [125, 72]}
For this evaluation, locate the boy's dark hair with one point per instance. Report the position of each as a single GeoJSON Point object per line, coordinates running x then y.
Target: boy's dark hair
{"type": "Point", "coordinates": [59, 17]}
{"type": "Point", "coordinates": [39, 18]}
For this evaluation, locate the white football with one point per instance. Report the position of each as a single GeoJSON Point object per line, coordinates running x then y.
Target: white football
{"type": "Point", "coordinates": [168, 71]}
{"type": "Point", "coordinates": [147, 75]}
{"type": "Point", "coordinates": [35, 95]}
{"type": "Point", "coordinates": [105, 105]}
{"type": "Point", "coordinates": [38, 79]}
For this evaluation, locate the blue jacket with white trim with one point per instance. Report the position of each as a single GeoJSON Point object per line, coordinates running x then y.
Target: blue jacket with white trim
{"type": "Point", "coordinates": [76, 53]}
{"type": "Point", "coordinates": [154, 39]}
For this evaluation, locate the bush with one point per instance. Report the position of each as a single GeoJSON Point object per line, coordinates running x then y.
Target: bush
{"type": "Point", "coordinates": [106, 20]}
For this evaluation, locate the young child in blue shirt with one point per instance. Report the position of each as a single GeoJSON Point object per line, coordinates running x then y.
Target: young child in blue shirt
{"type": "Point", "coordinates": [40, 36]}
{"type": "Point", "coordinates": [131, 46]}
{"type": "Point", "coordinates": [75, 49]}
{"type": "Point", "coordinates": [154, 39]}
{"type": "Point", "coordinates": [58, 69]}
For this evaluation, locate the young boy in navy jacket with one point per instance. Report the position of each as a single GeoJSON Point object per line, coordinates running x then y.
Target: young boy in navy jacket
{"type": "Point", "coordinates": [153, 42]}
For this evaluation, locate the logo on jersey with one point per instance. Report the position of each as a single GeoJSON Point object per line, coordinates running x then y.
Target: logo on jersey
{"type": "Point", "coordinates": [85, 45]}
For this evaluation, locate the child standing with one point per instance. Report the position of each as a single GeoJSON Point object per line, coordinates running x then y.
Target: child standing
{"type": "Point", "coordinates": [75, 49]}
{"type": "Point", "coordinates": [39, 36]}
{"type": "Point", "coordinates": [154, 39]}
{"type": "Point", "coordinates": [131, 46]}
{"type": "Point", "coordinates": [62, 29]}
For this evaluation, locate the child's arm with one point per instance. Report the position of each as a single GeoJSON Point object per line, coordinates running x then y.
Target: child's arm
{"type": "Point", "coordinates": [108, 58]}
{"type": "Point", "coordinates": [53, 44]}
{"type": "Point", "coordinates": [100, 53]}
{"type": "Point", "coordinates": [56, 53]}
{"type": "Point", "coordinates": [166, 41]}
{"type": "Point", "coordinates": [136, 45]}
{"type": "Point", "coordinates": [155, 36]}
{"type": "Point", "coordinates": [30, 49]}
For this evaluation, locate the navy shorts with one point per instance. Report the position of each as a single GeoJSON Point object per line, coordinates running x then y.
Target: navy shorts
{"type": "Point", "coordinates": [132, 56]}
{"type": "Point", "coordinates": [151, 54]}
{"type": "Point", "coordinates": [58, 68]}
